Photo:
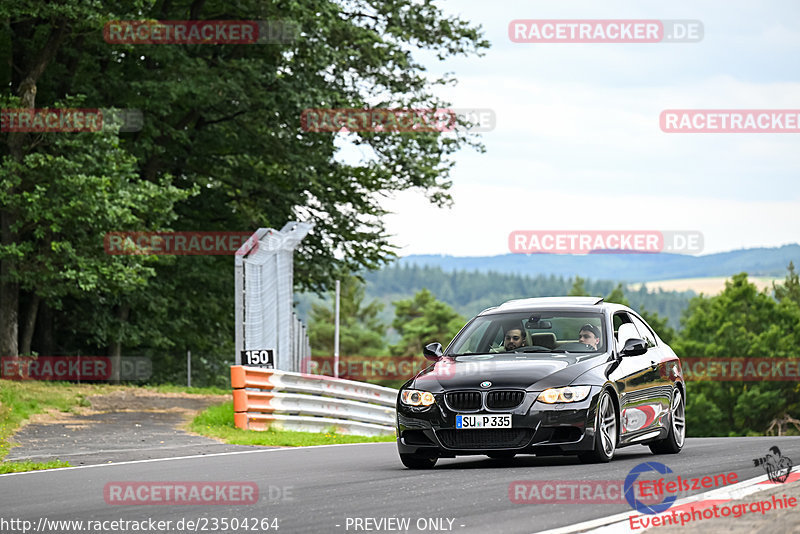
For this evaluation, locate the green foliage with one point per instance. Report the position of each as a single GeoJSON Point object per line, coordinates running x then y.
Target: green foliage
{"type": "Point", "coordinates": [578, 289]}
{"type": "Point", "coordinates": [704, 416]}
{"type": "Point", "coordinates": [20, 467]}
{"type": "Point", "coordinates": [422, 320]}
{"type": "Point", "coordinates": [361, 331]}
{"type": "Point", "coordinates": [740, 322]}
{"type": "Point", "coordinates": [617, 296]}
{"type": "Point", "coordinates": [789, 291]}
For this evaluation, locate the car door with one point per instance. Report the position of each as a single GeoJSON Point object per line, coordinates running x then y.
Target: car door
{"type": "Point", "coordinates": [637, 382]}
{"type": "Point", "coordinates": [659, 376]}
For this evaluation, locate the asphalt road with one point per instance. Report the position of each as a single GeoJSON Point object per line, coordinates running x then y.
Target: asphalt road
{"type": "Point", "coordinates": [318, 489]}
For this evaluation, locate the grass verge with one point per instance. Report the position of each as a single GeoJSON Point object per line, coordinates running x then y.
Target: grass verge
{"type": "Point", "coordinates": [19, 467]}
{"type": "Point", "coordinates": [217, 422]}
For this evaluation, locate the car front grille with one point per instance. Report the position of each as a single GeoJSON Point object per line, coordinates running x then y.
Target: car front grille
{"type": "Point", "coordinates": [490, 438]}
{"type": "Point", "coordinates": [464, 400]}
{"type": "Point", "coordinates": [504, 399]}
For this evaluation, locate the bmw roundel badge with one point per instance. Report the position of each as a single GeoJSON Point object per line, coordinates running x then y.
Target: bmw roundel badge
{"type": "Point", "coordinates": [486, 384]}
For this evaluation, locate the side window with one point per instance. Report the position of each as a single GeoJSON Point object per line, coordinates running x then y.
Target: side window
{"type": "Point", "coordinates": [645, 331]}
{"type": "Point", "coordinates": [619, 318]}
{"type": "Point", "coordinates": [624, 329]}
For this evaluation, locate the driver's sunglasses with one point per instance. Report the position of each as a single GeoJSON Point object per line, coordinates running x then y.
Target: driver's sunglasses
{"type": "Point", "coordinates": [581, 336]}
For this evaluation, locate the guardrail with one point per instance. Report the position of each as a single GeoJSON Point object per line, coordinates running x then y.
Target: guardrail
{"type": "Point", "coordinates": [266, 399]}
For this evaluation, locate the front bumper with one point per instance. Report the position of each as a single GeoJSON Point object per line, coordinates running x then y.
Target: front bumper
{"type": "Point", "coordinates": [536, 428]}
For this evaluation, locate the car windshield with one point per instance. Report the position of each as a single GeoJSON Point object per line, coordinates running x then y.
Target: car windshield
{"type": "Point", "coordinates": [539, 331]}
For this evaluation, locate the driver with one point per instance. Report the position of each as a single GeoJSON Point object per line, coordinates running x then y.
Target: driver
{"type": "Point", "coordinates": [514, 338]}
{"type": "Point", "coordinates": [589, 335]}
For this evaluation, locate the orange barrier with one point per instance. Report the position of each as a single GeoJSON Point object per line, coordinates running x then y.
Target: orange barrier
{"type": "Point", "coordinates": [250, 377]}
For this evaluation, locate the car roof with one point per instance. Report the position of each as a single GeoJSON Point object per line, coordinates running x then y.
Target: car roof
{"type": "Point", "coordinates": [575, 303]}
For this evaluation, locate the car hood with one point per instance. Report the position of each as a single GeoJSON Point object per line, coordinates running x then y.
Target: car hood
{"type": "Point", "coordinates": [534, 372]}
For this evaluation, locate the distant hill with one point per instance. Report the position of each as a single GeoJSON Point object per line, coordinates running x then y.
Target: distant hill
{"type": "Point", "coordinates": [471, 292]}
{"type": "Point", "coordinates": [472, 284]}
{"type": "Point", "coordinates": [766, 262]}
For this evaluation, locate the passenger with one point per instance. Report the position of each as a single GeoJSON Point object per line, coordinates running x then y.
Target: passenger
{"type": "Point", "coordinates": [589, 335]}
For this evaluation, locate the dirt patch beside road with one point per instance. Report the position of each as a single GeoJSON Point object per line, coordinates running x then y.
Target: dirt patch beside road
{"type": "Point", "coordinates": [123, 425]}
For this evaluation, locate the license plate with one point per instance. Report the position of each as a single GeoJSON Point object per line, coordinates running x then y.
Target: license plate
{"type": "Point", "coordinates": [464, 422]}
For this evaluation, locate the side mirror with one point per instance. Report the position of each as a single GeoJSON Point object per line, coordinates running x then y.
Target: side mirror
{"type": "Point", "coordinates": [433, 351]}
{"type": "Point", "coordinates": [634, 347]}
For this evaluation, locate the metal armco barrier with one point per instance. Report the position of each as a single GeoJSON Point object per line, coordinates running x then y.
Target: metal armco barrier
{"type": "Point", "coordinates": [310, 403]}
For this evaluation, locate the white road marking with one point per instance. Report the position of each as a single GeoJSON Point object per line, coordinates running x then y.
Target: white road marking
{"type": "Point", "coordinates": [232, 453]}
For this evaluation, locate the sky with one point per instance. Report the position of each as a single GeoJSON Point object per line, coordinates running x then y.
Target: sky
{"type": "Point", "coordinates": [578, 145]}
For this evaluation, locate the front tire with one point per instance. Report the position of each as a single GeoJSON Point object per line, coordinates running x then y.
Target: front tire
{"type": "Point", "coordinates": [605, 432]}
{"type": "Point", "coordinates": [673, 443]}
{"type": "Point", "coordinates": [416, 461]}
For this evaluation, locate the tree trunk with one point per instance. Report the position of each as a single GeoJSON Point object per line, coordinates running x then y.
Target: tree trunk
{"type": "Point", "coordinates": [9, 305]}
{"type": "Point", "coordinates": [45, 341]}
{"type": "Point", "coordinates": [29, 325]}
{"type": "Point", "coordinates": [115, 347]}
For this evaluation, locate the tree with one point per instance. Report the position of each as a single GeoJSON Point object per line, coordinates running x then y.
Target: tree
{"type": "Point", "coordinates": [221, 123]}
{"type": "Point", "coordinates": [578, 289]}
{"type": "Point", "coordinates": [617, 296]}
{"type": "Point", "coordinates": [64, 198]}
{"type": "Point", "coordinates": [740, 322]}
{"type": "Point", "coordinates": [361, 331]}
{"type": "Point", "coordinates": [790, 289]}
{"type": "Point", "coordinates": [422, 320]}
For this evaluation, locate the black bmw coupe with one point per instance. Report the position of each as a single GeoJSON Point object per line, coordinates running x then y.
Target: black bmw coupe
{"type": "Point", "coordinates": [545, 376]}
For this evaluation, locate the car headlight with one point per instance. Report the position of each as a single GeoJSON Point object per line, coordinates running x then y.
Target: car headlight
{"type": "Point", "coordinates": [414, 397]}
{"type": "Point", "coordinates": [567, 394]}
